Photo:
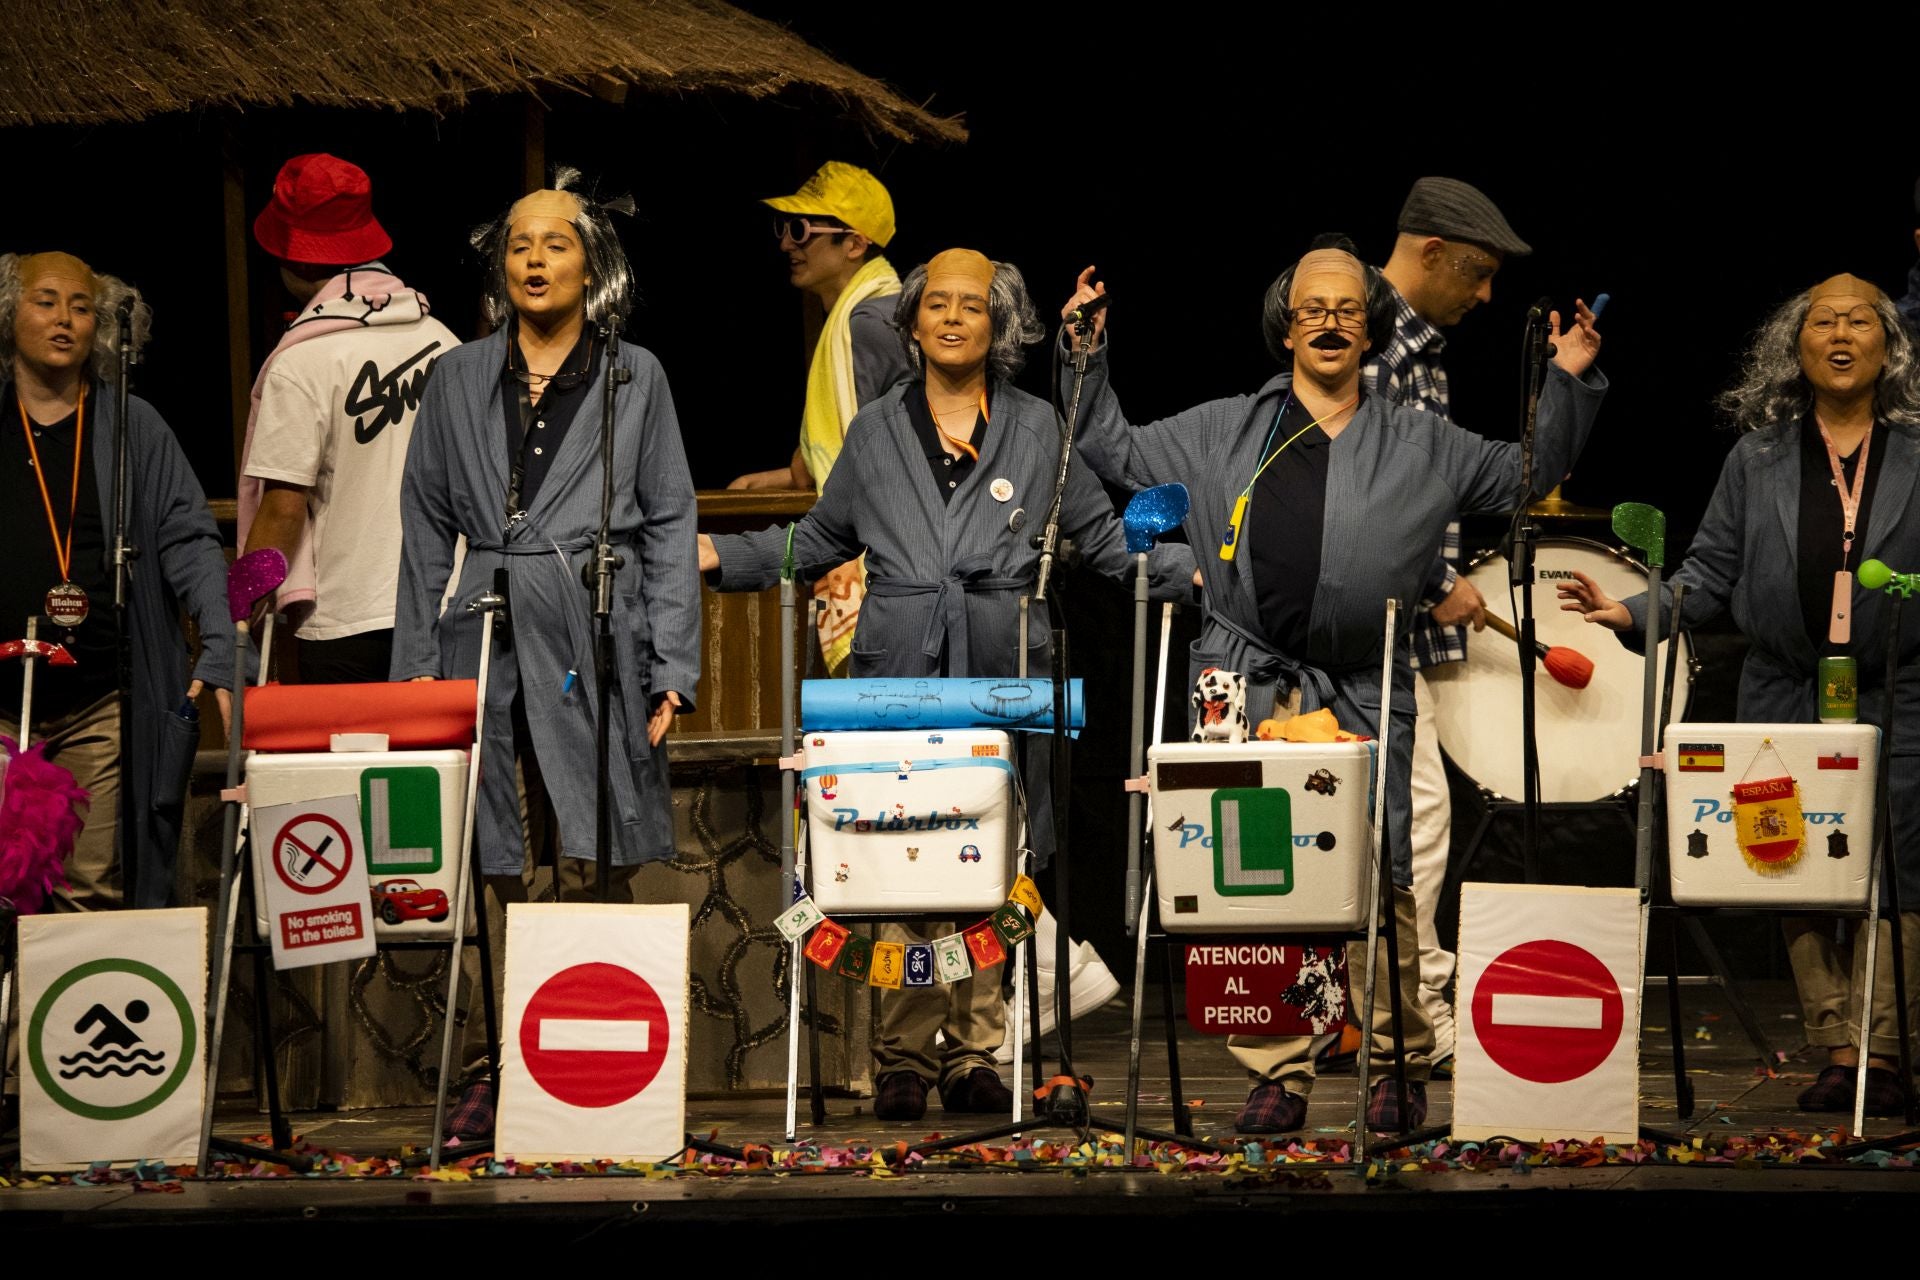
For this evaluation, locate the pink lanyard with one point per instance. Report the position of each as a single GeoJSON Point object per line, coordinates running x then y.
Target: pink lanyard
{"type": "Point", "coordinates": [1839, 626]}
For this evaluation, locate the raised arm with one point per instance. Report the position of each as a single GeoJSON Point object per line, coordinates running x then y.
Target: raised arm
{"type": "Point", "coordinates": [823, 539]}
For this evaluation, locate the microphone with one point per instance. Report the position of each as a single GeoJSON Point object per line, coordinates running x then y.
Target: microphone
{"type": "Point", "coordinates": [1874, 576]}
{"type": "Point", "coordinates": [1085, 312]}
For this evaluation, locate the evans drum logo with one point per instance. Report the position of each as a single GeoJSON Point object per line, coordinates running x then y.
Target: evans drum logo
{"type": "Point", "coordinates": [1555, 575]}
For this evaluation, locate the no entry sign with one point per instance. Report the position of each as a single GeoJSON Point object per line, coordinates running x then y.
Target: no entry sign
{"type": "Point", "coordinates": [594, 1035]}
{"type": "Point", "coordinates": [1547, 1011]}
{"type": "Point", "coordinates": [1550, 1004]}
{"type": "Point", "coordinates": [317, 903]}
{"type": "Point", "coordinates": [594, 1047]}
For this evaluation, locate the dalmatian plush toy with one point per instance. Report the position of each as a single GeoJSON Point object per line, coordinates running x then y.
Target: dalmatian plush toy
{"type": "Point", "coordinates": [1219, 706]}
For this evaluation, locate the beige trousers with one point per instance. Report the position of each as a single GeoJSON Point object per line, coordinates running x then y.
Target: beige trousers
{"type": "Point", "coordinates": [1289, 1059]}
{"type": "Point", "coordinates": [1432, 831]}
{"type": "Point", "coordinates": [1831, 974]}
{"type": "Point", "coordinates": [970, 1015]}
{"type": "Point", "coordinates": [86, 743]}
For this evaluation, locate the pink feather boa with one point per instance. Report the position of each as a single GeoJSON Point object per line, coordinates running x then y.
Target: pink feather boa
{"type": "Point", "coordinates": [40, 819]}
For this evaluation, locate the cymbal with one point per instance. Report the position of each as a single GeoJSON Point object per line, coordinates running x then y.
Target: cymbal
{"type": "Point", "coordinates": [1551, 508]}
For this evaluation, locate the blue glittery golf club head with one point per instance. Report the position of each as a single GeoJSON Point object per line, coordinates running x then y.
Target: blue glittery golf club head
{"type": "Point", "coordinates": [1644, 528]}
{"type": "Point", "coordinates": [1152, 512]}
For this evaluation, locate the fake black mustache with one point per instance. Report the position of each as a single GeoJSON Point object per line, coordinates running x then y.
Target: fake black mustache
{"type": "Point", "coordinates": [1331, 341]}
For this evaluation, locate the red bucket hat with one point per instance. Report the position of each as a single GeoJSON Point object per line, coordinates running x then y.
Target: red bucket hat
{"type": "Point", "coordinates": [321, 212]}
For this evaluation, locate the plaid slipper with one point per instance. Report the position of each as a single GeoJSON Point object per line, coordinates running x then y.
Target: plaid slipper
{"type": "Point", "coordinates": [899, 1095]}
{"type": "Point", "coordinates": [978, 1091]}
{"type": "Point", "coordinates": [1271, 1109]}
{"type": "Point", "coordinates": [1884, 1095]}
{"type": "Point", "coordinates": [1386, 1115]}
{"type": "Point", "coordinates": [1831, 1090]}
{"type": "Point", "coordinates": [473, 1116]}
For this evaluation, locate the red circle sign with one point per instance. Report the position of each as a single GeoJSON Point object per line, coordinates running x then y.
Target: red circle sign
{"type": "Point", "coordinates": [594, 1035]}
{"type": "Point", "coordinates": [312, 853]}
{"type": "Point", "coordinates": [1547, 1011]}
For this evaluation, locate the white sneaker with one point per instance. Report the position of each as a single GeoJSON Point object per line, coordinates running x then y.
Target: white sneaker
{"type": "Point", "coordinates": [1092, 984]}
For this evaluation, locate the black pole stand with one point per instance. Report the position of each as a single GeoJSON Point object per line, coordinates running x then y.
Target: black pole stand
{"type": "Point", "coordinates": [123, 554]}
{"type": "Point", "coordinates": [598, 573]}
{"type": "Point", "coordinates": [1062, 1101]}
{"type": "Point", "coordinates": [1524, 536]}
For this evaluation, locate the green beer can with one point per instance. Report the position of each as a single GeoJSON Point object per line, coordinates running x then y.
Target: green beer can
{"type": "Point", "coordinates": [1839, 691]}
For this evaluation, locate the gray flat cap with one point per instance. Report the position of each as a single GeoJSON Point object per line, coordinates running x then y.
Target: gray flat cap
{"type": "Point", "coordinates": [1453, 210]}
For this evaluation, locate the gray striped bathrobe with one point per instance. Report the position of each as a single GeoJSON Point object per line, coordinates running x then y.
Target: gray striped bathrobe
{"type": "Point", "coordinates": [456, 483]}
{"type": "Point", "coordinates": [945, 578]}
{"type": "Point", "coordinates": [1396, 476]}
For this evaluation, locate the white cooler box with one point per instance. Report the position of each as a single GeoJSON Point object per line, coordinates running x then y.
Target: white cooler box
{"type": "Point", "coordinates": [1261, 837]}
{"type": "Point", "coordinates": [1835, 765]}
{"type": "Point", "coordinates": [411, 807]}
{"type": "Point", "coordinates": [910, 822]}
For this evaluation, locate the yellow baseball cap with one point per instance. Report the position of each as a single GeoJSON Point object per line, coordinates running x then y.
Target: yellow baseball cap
{"type": "Point", "coordinates": [846, 192]}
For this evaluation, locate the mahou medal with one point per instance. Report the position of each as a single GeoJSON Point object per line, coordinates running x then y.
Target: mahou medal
{"type": "Point", "coordinates": [67, 605]}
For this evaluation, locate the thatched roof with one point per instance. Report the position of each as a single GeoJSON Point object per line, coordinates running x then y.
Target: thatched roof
{"type": "Point", "coordinates": [92, 61]}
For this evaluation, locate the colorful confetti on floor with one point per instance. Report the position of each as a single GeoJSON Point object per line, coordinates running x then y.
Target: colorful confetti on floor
{"type": "Point", "coordinates": [1304, 1163]}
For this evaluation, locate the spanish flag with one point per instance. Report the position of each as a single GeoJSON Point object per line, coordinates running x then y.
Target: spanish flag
{"type": "Point", "coordinates": [1703, 757]}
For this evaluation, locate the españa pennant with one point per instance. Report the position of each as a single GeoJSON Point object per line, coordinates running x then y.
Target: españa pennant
{"type": "Point", "coordinates": [919, 965]}
{"type": "Point", "coordinates": [950, 958]}
{"type": "Point", "coordinates": [794, 922]}
{"type": "Point", "coordinates": [856, 958]}
{"type": "Point", "coordinates": [1767, 824]}
{"type": "Point", "coordinates": [1011, 926]}
{"type": "Point", "coordinates": [823, 948]}
{"type": "Point", "coordinates": [889, 965]}
{"type": "Point", "coordinates": [984, 943]}
{"type": "Point", "coordinates": [1027, 894]}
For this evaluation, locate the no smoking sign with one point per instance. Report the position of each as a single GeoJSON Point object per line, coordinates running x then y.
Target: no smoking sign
{"type": "Point", "coordinates": [312, 853]}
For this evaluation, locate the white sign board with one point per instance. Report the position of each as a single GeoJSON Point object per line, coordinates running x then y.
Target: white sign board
{"type": "Point", "coordinates": [594, 1050]}
{"type": "Point", "coordinates": [1548, 1014]}
{"type": "Point", "coordinates": [315, 876]}
{"type": "Point", "coordinates": [112, 1058]}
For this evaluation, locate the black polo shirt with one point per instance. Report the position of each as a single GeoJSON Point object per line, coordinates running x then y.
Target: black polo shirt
{"type": "Point", "coordinates": [1286, 519]}
{"type": "Point", "coordinates": [29, 566]}
{"type": "Point", "coordinates": [535, 431]}
{"type": "Point", "coordinates": [1822, 523]}
{"type": "Point", "coordinates": [948, 471]}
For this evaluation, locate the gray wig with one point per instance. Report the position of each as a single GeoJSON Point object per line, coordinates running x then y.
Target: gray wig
{"type": "Point", "coordinates": [103, 361]}
{"type": "Point", "coordinates": [1773, 388]}
{"type": "Point", "coordinates": [1015, 320]}
{"type": "Point", "coordinates": [610, 287]}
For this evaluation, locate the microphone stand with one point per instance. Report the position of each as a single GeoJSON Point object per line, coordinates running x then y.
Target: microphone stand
{"type": "Point", "coordinates": [1523, 539]}
{"type": "Point", "coordinates": [598, 575]}
{"type": "Point", "coordinates": [122, 554]}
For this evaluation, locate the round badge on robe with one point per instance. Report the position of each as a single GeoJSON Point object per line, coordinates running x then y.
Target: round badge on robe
{"type": "Point", "coordinates": [1001, 489]}
{"type": "Point", "coordinates": [1018, 518]}
{"type": "Point", "coordinates": [67, 605]}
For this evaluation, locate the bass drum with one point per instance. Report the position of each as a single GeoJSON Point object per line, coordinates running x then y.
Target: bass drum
{"type": "Point", "coordinates": [1589, 738]}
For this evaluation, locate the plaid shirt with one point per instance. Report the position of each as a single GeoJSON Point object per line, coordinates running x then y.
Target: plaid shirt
{"type": "Point", "coordinates": [1408, 372]}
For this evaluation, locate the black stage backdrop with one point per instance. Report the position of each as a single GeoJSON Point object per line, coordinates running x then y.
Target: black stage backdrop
{"type": "Point", "coordinates": [1190, 167]}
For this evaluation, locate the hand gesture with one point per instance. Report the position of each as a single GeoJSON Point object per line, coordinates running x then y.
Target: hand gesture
{"type": "Point", "coordinates": [663, 712]}
{"type": "Point", "coordinates": [1577, 348]}
{"type": "Point", "coordinates": [1584, 597]}
{"type": "Point", "coordinates": [1464, 606]}
{"type": "Point", "coordinates": [1086, 289]}
{"type": "Point", "coordinates": [709, 558]}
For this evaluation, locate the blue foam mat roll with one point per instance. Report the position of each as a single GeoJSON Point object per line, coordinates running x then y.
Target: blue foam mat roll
{"type": "Point", "coordinates": [936, 703]}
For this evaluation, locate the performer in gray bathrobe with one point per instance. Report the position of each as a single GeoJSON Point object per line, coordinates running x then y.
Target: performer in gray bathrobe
{"type": "Point", "coordinates": [59, 349]}
{"type": "Point", "coordinates": [943, 482]}
{"type": "Point", "coordinates": [506, 453]}
{"type": "Point", "coordinates": [1833, 362]}
{"type": "Point", "coordinates": [1312, 504]}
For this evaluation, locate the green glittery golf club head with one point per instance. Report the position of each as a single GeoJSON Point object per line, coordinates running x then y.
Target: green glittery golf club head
{"type": "Point", "coordinates": [1644, 528]}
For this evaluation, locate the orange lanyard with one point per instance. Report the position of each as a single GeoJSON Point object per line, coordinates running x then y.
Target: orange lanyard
{"type": "Point", "coordinates": [962, 445]}
{"type": "Point", "coordinates": [62, 551]}
{"type": "Point", "coordinates": [1849, 499]}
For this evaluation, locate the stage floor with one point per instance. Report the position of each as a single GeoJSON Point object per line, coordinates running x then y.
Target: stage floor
{"type": "Point", "coordinates": [1736, 1099]}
